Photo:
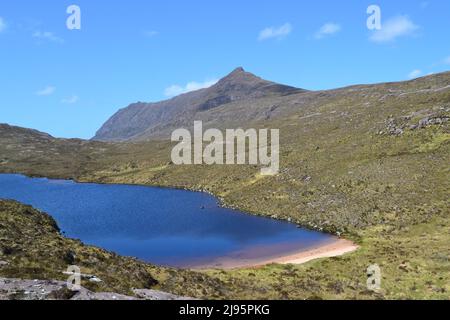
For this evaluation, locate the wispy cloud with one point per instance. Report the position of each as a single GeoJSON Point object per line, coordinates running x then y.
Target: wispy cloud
{"type": "Point", "coordinates": [2, 24]}
{"type": "Point", "coordinates": [394, 28]}
{"type": "Point", "coordinates": [176, 90]}
{"type": "Point", "coordinates": [151, 33]}
{"type": "Point", "coordinates": [275, 32]}
{"type": "Point", "coordinates": [70, 100]}
{"type": "Point", "coordinates": [327, 29]}
{"type": "Point", "coordinates": [447, 60]}
{"type": "Point", "coordinates": [47, 36]}
{"type": "Point", "coordinates": [415, 74]}
{"type": "Point", "coordinates": [47, 91]}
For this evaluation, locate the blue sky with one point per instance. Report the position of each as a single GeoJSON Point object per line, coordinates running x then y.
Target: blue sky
{"type": "Point", "coordinates": [68, 82]}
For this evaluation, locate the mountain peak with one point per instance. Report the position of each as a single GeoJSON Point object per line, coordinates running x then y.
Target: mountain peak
{"type": "Point", "coordinates": [240, 75]}
{"type": "Point", "coordinates": [241, 85]}
{"type": "Point", "coordinates": [238, 70]}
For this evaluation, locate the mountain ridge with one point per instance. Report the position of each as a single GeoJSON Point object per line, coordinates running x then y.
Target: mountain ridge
{"type": "Point", "coordinates": [140, 121]}
{"type": "Point", "coordinates": [237, 100]}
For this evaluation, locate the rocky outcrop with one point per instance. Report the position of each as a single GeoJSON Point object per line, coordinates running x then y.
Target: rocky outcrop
{"type": "Point", "coordinates": [17, 289]}
{"type": "Point", "coordinates": [396, 126]}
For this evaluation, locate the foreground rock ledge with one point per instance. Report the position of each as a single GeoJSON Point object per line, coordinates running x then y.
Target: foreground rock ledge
{"type": "Point", "coordinates": [17, 289]}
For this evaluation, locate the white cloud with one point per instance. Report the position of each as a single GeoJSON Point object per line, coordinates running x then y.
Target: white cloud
{"type": "Point", "coordinates": [47, 36]}
{"type": "Point", "coordinates": [2, 24]}
{"type": "Point", "coordinates": [415, 74]}
{"type": "Point", "coordinates": [394, 28]}
{"type": "Point", "coordinates": [70, 100]}
{"type": "Point", "coordinates": [447, 60]}
{"type": "Point", "coordinates": [328, 29]}
{"type": "Point", "coordinates": [176, 90]}
{"type": "Point", "coordinates": [275, 32]}
{"type": "Point", "coordinates": [47, 91]}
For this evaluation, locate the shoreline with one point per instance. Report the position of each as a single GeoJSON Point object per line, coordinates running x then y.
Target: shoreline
{"type": "Point", "coordinates": [335, 248]}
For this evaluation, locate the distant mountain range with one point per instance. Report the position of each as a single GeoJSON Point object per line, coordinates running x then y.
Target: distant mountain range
{"type": "Point", "coordinates": [240, 92]}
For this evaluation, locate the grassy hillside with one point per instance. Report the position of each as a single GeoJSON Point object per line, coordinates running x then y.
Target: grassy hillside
{"type": "Point", "coordinates": [367, 162]}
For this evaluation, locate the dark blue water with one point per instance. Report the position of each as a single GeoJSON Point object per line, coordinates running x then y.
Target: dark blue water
{"type": "Point", "coordinates": [163, 226]}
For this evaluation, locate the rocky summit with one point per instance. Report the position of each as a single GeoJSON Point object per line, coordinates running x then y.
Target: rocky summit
{"type": "Point", "coordinates": [141, 121]}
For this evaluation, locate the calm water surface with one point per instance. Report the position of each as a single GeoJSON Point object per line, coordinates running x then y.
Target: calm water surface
{"type": "Point", "coordinates": [163, 226]}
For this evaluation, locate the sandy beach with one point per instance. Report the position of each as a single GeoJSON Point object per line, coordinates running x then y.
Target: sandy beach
{"type": "Point", "coordinates": [333, 249]}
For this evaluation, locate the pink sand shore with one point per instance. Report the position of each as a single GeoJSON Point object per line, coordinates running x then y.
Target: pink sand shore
{"type": "Point", "coordinates": [333, 249]}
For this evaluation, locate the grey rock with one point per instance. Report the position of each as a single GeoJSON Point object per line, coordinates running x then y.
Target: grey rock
{"type": "Point", "coordinates": [18, 289]}
{"type": "Point", "coordinates": [95, 280]}
{"type": "Point", "coordinates": [398, 132]}
{"type": "Point", "coordinates": [423, 123]}
{"type": "Point", "coordinates": [156, 295]}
